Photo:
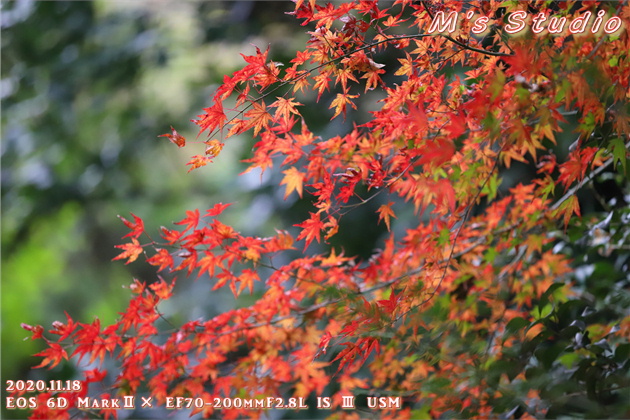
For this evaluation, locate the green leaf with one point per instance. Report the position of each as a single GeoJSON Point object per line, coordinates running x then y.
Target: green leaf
{"type": "Point", "coordinates": [568, 359]}
{"type": "Point", "coordinates": [544, 299]}
{"type": "Point", "coordinates": [622, 353]}
{"type": "Point", "coordinates": [437, 385]}
{"type": "Point", "coordinates": [618, 149]}
{"type": "Point", "coordinates": [547, 354]}
{"type": "Point", "coordinates": [490, 255]}
{"type": "Point", "coordinates": [570, 312]}
{"type": "Point", "coordinates": [614, 60]}
{"type": "Point", "coordinates": [497, 85]}
{"type": "Point", "coordinates": [445, 235]}
{"type": "Point", "coordinates": [421, 413]}
{"type": "Point", "coordinates": [492, 186]}
{"type": "Point", "coordinates": [543, 312]}
{"type": "Point", "coordinates": [483, 310]}
{"type": "Point", "coordinates": [499, 368]}
{"type": "Point", "coordinates": [516, 324]}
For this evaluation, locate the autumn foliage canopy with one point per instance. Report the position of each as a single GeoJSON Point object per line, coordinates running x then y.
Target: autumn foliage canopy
{"type": "Point", "coordinates": [471, 306]}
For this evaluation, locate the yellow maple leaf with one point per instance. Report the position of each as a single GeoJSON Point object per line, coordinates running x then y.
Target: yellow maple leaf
{"type": "Point", "coordinates": [258, 117]}
{"type": "Point", "coordinates": [341, 102]}
{"type": "Point", "coordinates": [285, 108]}
{"type": "Point", "coordinates": [294, 180]}
{"type": "Point", "coordinates": [213, 148]}
{"type": "Point", "coordinates": [198, 161]}
{"type": "Point", "coordinates": [385, 212]}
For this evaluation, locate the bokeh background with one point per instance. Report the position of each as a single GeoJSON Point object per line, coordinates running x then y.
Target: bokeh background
{"type": "Point", "coordinates": [86, 88]}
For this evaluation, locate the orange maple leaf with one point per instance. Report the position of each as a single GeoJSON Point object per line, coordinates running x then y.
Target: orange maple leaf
{"type": "Point", "coordinates": [385, 212]}
{"type": "Point", "coordinates": [282, 241]}
{"type": "Point", "coordinates": [198, 161]}
{"type": "Point", "coordinates": [131, 251]}
{"type": "Point", "coordinates": [340, 103]}
{"type": "Point", "coordinates": [294, 180]}
{"type": "Point", "coordinates": [343, 76]}
{"type": "Point", "coordinates": [568, 208]}
{"type": "Point", "coordinates": [175, 138]}
{"type": "Point", "coordinates": [258, 117]}
{"type": "Point", "coordinates": [286, 107]}
{"type": "Point", "coordinates": [247, 278]}
{"type": "Point", "coordinates": [334, 260]}
{"type": "Point", "coordinates": [213, 148]}
{"type": "Point", "coordinates": [163, 259]}
{"type": "Point", "coordinates": [162, 289]}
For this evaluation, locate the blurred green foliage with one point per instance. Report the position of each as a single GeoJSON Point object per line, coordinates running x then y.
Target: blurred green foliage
{"type": "Point", "coordinates": [86, 89]}
{"type": "Point", "coordinates": [85, 95]}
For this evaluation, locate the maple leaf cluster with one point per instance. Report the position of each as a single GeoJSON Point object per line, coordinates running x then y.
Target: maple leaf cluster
{"type": "Point", "coordinates": [437, 146]}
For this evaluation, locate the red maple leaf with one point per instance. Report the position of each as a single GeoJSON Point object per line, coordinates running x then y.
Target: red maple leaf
{"type": "Point", "coordinates": [137, 227]}
{"type": "Point", "coordinates": [191, 220]}
{"type": "Point", "coordinates": [162, 259]}
{"type": "Point", "coordinates": [213, 118]}
{"type": "Point", "coordinates": [217, 209]}
{"type": "Point", "coordinates": [131, 251]}
{"type": "Point", "coordinates": [390, 304]}
{"type": "Point", "coordinates": [52, 356]}
{"type": "Point", "coordinates": [311, 229]}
